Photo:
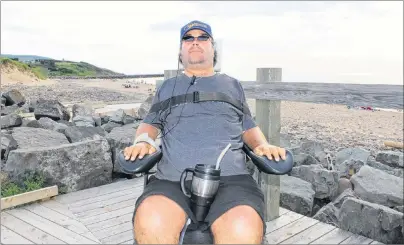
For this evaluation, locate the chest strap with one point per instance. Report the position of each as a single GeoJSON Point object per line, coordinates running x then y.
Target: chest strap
{"type": "Point", "coordinates": [197, 97]}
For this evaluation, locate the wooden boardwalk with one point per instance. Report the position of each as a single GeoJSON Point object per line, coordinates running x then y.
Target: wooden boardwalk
{"type": "Point", "coordinates": [102, 215]}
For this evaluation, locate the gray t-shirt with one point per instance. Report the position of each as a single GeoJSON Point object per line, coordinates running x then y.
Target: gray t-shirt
{"type": "Point", "coordinates": [203, 130]}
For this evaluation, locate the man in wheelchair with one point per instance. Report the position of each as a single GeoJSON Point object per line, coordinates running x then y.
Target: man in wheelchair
{"type": "Point", "coordinates": [195, 129]}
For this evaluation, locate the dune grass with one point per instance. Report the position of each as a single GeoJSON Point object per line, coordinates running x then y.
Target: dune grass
{"type": "Point", "coordinates": [38, 71]}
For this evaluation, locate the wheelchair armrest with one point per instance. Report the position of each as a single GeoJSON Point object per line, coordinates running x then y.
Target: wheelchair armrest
{"type": "Point", "coordinates": [139, 165]}
{"type": "Point", "coordinates": [270, 166]}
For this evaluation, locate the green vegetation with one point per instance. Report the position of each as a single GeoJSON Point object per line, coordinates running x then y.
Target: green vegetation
{"type": "Point", "coordinates": [53, 68]}
{"type": "Point", "coordinates": [38, 71]}
{"type": "Point", "coordinates": [72, 69]}
{"type": "Point", "coordinates": [20, 66]}
{"type": "Point", "coordinates": [69, 68]}
{"type": "Point", "coordinates": [30, 181]}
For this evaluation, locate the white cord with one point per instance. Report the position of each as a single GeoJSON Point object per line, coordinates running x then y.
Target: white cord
{"type": "Point", "coordinates": [221, 155]}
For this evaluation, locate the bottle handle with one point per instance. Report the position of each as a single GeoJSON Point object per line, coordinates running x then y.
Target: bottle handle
{"type": "Point", "coordinates": [183, 177]}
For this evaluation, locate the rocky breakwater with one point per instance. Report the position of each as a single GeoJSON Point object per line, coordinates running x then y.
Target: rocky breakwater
{"type": "Point", "coordinates": [350, 189]}
{"type": "Point", "coordinates": [73, 149]}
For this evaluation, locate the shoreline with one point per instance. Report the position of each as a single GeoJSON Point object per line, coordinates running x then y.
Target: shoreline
{"type": "Point", "coordinates": [333, 125]}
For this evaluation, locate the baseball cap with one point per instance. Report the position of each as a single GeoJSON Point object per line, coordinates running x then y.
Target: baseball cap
{"type": "Point", "coordinates": [196, 24]}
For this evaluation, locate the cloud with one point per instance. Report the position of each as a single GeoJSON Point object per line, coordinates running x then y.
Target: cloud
{"type": "Point", "coordinates": [359, 42]}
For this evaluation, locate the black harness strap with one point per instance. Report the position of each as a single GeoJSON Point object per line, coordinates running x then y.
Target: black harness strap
{"type": "Point", "coordinates": [197, 97]}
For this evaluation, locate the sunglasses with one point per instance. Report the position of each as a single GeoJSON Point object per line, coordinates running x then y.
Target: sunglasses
{"type": "Point", "coordinates": [192, 38]}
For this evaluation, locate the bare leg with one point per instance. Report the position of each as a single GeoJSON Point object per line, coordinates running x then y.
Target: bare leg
{"type": "Point", "coordinates": [158, 220]}
{"type": "Point", "coordinates": [239, 225]}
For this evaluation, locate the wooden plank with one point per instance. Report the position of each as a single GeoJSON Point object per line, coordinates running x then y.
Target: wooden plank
{"type": "Point", "coordinates": [283, 211]}
{"type": "Point", "coordinates": [111, 222]}
{"type": "Point", "coordinates": [376, 242]}
{"type": "Point", "coordinates": [375, 95]}
{"type": "Point", "coordinates": [99, 190]}
{"type": "Point", "coordinates": [310, 234]}
{"type": "Point", "coordinates": [60, 219]}
{"type": "Point", "coordinates": [282, 221]}
{"type": "Point", "coordinates": [27, 197]}
{"type": "Point", "coordinates": [127, 242]}
{"type": "Point", "coordinates": [10, 237]}
{"type": "Point", "coordinates": [110, 231]}
{"type": "Point", "coordinates": [58, 207]}
{"type": "Point", "coordinates": [79, 211]}
{"type": "Point", "coordinates": [118, 238]}
{"type": "Point", "coordinates": [76, 207]}
{"type": "Point", "coordinates": [81, 206]}
{"type": "Point", "coordinates": [30, 232]}
{"type": "Point", "coordinates": [91, 236]}
{"type": "Point", "coordinates": [48, 226]}
{"type": "Point", "coordinates": [290, 230]}
{"type": "Point", "coordinates": [334, 237]}
{"type": "Point", "coordinates": [107, 208]}
{"type": "Point", "coordinates": [357, 239]}
{"type": "Point", "coordinates": [107, 215]}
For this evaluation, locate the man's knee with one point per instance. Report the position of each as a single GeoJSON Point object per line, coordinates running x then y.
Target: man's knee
{"type": "Point", "coordinates": [160, 214]}
{"type": "Point", "coordinates": [239, 224]}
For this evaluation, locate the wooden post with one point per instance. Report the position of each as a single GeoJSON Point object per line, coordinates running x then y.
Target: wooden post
{"type": "Point", "coordinates": [268, 118]}
{"type": "Point", "coordinates": [167, 75]}
{"type": "Point", "coordinates": [170, 73]}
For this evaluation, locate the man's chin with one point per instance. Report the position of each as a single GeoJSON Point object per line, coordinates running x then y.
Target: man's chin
{"type": "Point", "coordinates": [196, 62]}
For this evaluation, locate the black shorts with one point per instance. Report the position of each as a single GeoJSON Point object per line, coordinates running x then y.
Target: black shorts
{"type": "Point", "coordinates": [233, 191]}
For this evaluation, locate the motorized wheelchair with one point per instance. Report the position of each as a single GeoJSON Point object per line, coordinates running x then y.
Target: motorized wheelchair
{"type": "Point", "coordinates": [197, 236]}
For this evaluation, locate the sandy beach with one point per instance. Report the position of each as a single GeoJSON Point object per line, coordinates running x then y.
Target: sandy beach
{"type": "Point", "coordinates": [335, 126]}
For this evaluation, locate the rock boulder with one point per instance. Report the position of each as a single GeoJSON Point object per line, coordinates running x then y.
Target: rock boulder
{"type": "Point", "coordinates": [10, 109]}
{"type": "Point", "coordinates": [391, 158]}
{"type": "Point", "coordinates": [10, 121]}
{"type": "Point", "coordinates": [352, 154]}
{"type": "Point", "coordinates": [77, 134]}
{"type": "Point", "coordinates": [72, 167]}
{"type": "Point", "coordinates": [376, 186]}
{"type": "Point", "coordinates": [48, 123]}
{"type": "Point", "coordinates": [52, 109]}
{"type": "Point", "coordinates": [8, 144]}
{"type": "Point", "coordinates": [38, 137]}
{"type": "Point", "coordinates": [372, 220]}
{"type": "Point", "coordinates": [14, 97]}
{"type": "Point", "coordinates": [119, 138]}
{"type": "Point", "coordinates": [82, 110]}
{"type": "Point", "coordinates": [296, 194]}
{"type": "Point", "coordinates": [325, 182]}
{"type": "Point", "coordinates": [83, 121]}
{"type": "Point", "coordinates": [349, 167]}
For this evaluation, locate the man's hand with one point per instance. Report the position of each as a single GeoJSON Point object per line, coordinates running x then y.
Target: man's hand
{"type": "Point", "coordinates": [270, 151]}
{"type": "Point", "coordinates": [140, 149]}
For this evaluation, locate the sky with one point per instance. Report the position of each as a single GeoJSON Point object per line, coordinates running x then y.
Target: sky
{"type": "Point", "coordinates": [313, 41]}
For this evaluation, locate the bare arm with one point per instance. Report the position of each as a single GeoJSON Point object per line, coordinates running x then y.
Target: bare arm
{"type": "Point", "coordinates": [256, 140]}
{"type": "Point", "coordinates": [254, 137]}
{"type": "Point", "coordinates": [147, 128]}
{"type": "Point", "coordinates": [141, 148]}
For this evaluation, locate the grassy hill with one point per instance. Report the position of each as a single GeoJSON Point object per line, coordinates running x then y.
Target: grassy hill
{"type": "Point", "coordinates": [69, 68]}
{"type": "Point", "coordinates": [22, 67]}
{"type": "Point", "coordinates": [48, 67]}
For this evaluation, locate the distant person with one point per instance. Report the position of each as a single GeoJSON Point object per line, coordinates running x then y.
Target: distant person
{"type": "Point", "coordinates": [197, 133]}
